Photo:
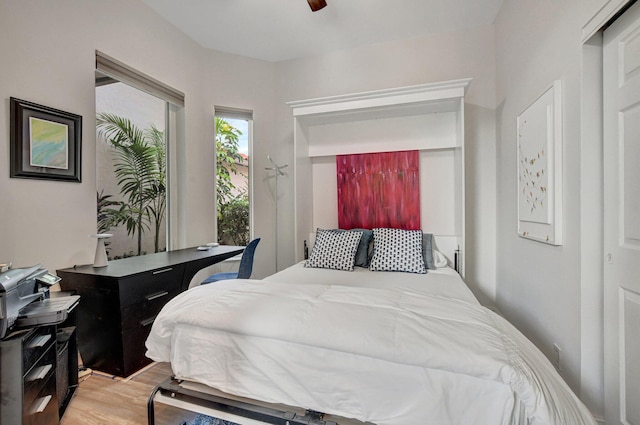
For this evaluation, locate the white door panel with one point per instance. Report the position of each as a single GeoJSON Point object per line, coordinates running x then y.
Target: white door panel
{"type": "Point", "coordinates": [629, 129]}
{"type": "Point", "coordinates": [629, 304]}
{"type": "Point", "coordinates": [622, 218]}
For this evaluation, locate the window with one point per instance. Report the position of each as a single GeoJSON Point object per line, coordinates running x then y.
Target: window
{"type": "Point", "coordinates": [133, 113]}
{"type": "Point", "coordinates": [233, 170]}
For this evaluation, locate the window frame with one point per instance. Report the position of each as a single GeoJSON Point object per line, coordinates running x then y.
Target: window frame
{"type": "Point", "coordinates": [110, 70]}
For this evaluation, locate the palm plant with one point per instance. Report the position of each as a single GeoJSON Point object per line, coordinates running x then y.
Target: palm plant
{"type": "Point", "coordinates": [158, 204]}
{"type": "Point", "coordinates": [106, 214]}
{"type": "Point", "coordinates": [140, 169]}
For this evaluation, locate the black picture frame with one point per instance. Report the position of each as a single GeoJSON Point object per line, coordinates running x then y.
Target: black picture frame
{"type": "Point", "coordinates": [46, 143]}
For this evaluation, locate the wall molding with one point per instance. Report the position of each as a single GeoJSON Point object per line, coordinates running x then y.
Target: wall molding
{"type": "Point", "coordinates": [604, 16]}
{"type": "Point", "coordinates": [423, 93]}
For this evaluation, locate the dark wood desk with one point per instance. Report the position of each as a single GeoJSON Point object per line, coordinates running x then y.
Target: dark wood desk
{"type": "Point", "coordinates": [120, 302]}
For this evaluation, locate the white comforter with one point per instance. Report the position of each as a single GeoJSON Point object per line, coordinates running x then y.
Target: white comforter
{"type": "Point", "coordinates": [391, 356]}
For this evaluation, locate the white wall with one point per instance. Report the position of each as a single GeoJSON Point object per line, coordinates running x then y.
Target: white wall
{"type": "Point", "coordinates": [540, 287]}
{"type": "Point", "coordinates": [410, 62]}
{"type": "Point", "coordinates": [48, 57]}
{"type": "Point", "coordinates": [437, 187]}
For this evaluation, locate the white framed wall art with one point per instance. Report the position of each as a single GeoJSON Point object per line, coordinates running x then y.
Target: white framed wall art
{"type": "Point", "coordinates": [539, 131]}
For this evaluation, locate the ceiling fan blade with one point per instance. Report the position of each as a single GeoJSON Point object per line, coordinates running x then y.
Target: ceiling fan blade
{"type": "Point", "coordinates": [316, 4]}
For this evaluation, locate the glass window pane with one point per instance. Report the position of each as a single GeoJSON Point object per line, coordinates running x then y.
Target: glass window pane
{"type": "Point", "coordinates": [131, 170]}
{"type": "Point", "coordinates": [232, 180]}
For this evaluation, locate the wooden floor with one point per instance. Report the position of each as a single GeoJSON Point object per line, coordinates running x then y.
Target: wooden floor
{"type": "Point", "coordinates": [106, 400]}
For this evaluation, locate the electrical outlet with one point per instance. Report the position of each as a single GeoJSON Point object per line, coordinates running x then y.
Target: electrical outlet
{"type": "Point", "coordinates": [556, 360]}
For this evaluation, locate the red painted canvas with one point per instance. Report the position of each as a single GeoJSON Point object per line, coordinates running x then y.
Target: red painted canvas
{"type": "Point", "coordinates": [379, 190]}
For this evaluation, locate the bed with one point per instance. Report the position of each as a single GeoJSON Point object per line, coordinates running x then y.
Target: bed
{"type": "Point", "coordinates": [380, 347]}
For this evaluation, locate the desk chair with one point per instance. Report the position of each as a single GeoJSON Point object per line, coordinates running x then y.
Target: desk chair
{"type": "Point", "coordinates": [245, 269]}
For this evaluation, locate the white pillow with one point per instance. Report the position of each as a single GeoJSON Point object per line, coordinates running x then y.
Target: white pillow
{"type": "Point", "coordinates": [397, 250]}
{"type": "Point", "coordinates": [334, 250]}
{"type": "Point", "coordinates": [439, 259]}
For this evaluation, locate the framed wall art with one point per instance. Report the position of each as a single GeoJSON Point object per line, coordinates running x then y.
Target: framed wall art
{"type": "Point", "coordinates": [539, 130]}
{"type": "Point", "coordinates": [45, 143]}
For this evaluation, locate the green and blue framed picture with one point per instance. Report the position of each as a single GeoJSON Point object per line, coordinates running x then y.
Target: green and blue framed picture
{"type": "Point", "coordinates": [46, 143]}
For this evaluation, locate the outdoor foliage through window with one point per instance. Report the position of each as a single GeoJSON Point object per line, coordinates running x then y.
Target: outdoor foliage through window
{"type": "Point", "coordinates": [139, 164]}
{"type": "Point", "coordinates": [232, 170]}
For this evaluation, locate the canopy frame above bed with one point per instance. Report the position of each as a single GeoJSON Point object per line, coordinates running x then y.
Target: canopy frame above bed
{"type": "Point", "coordinates": [428, 118]}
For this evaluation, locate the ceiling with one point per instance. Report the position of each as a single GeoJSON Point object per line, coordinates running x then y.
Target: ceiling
{"type": "Point", "coordinates": [276, 30]}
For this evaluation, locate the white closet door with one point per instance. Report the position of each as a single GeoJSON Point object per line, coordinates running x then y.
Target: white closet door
{"type": "Point", "coordinates": [622, 218]}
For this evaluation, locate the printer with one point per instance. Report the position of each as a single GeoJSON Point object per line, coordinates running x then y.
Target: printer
{"type": "Point", "coordinates": [25, 299]}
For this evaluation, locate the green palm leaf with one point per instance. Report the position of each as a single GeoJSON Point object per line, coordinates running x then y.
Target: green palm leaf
{"type": "Point", "coordinates": [140, 170]}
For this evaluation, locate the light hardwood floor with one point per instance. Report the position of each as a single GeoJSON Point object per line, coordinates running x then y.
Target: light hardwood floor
{"type": "Point", "coordinates": [105, 400]}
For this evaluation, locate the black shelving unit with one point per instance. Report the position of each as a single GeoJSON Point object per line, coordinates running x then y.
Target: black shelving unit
{"type": "Point", "coordinates": [38, 373]}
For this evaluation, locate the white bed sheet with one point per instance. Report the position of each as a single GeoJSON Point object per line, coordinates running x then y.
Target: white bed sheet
{"type": "Point", "coordinates": [443, 281]}
{"type": "Point", "coordinates": [388, 348]}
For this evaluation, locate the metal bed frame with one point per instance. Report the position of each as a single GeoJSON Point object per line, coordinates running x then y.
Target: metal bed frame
{"type": "Point", "coordinates": [199, 398]}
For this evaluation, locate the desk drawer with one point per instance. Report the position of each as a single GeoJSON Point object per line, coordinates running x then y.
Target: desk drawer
{"type": "Point", "coordinates": [133, 342]}
{"type": "Point", "coordinates": [37, 344]}
{"type": "Point", "coordinates": [140, 288]}
{"type": "Point", "coordinates": [143, 313]}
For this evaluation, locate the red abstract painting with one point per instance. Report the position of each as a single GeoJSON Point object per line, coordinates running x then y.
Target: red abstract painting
{"type": "Point", "coordinates": [379, 190]}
